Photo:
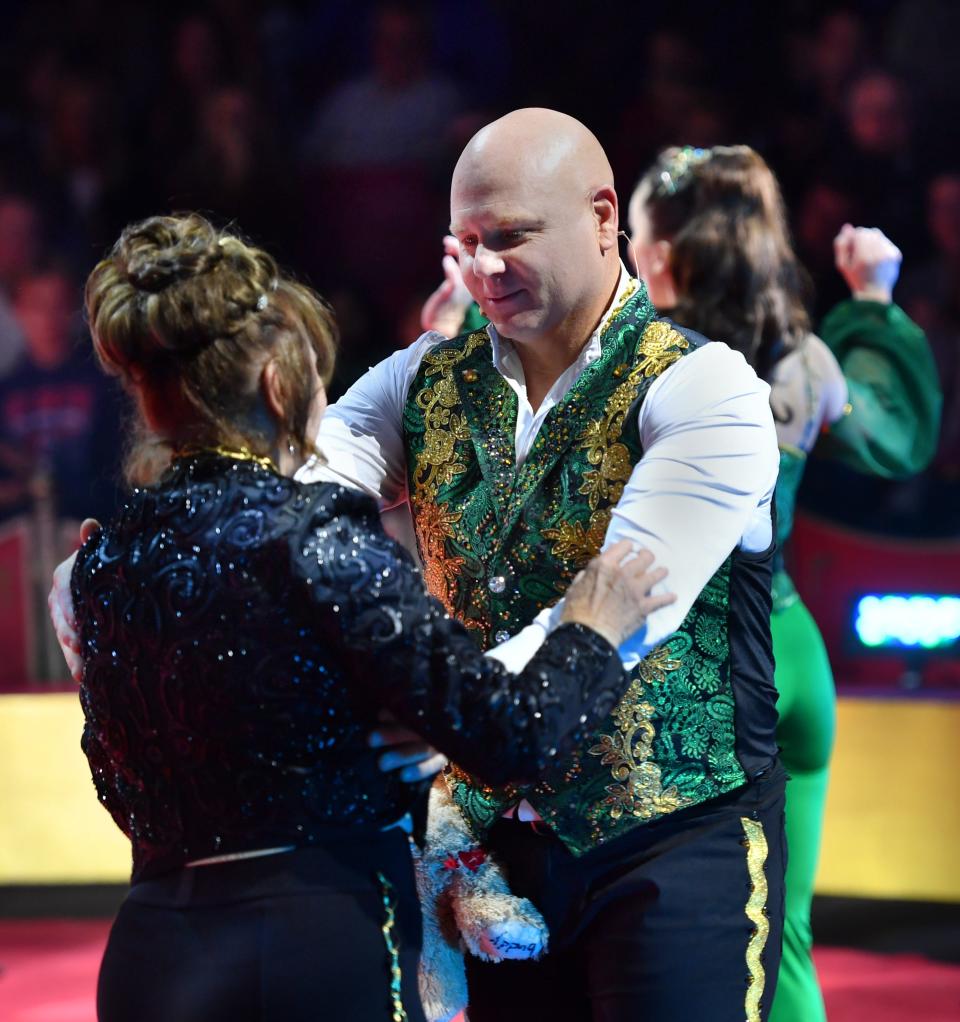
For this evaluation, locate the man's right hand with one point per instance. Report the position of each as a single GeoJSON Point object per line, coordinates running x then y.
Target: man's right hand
{"type": "Point", "coordinates": [60, 603]}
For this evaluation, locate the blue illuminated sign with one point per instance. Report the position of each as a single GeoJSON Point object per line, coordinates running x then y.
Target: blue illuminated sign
{"type": "Point", "coordinates": [908, 621]}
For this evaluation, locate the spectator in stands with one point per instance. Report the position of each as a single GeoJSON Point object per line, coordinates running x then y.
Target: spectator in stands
{"type": "Point", "coordinates": [234, 170]}
{"type": "Point", "coordinates": [374, 147]}
{"type": "Point", "coordinates": [824, 208]}
{"type": "Point", "coordinates": [83, 168]}
{"type": "Point", "coordinates": [20, 240]}
{"type": "Point", "coordinates": [197, 70]}
{"type": "Point", "coordinates": [58, 417]}
{"type": "Point", "coordinates": [19, 250]}
{"type": "Point", "coordinates": [398, 112]}
{"type": "Point", "coordinates": [932, 297]}
{"type": "Point", "coordinates": [667, 103]}
{"type": "Point", "coordinates": [876, 160]}
{"type": "Point", "coordinates": [838, 52]}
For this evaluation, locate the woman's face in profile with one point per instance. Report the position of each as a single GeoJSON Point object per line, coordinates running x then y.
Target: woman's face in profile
{"type": "Point", "coordinates": [640, 243]}
{"type": "Point", "coordinates": [317, 406]}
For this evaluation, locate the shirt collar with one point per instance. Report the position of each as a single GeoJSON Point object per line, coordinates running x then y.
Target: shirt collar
{"type": "Point", "coordinates": [504, 353]}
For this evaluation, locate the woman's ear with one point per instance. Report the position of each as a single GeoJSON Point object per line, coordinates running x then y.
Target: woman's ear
{"type": "Point", "coordinates": [660, 257]}
{"type": "Point", "coordinates": [271, 386]}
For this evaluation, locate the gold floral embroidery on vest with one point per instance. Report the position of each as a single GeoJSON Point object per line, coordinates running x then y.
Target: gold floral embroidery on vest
{"type": "Point", "coordinates": [576, 543]}
{"type": "Point", "coordinates": [638, 790]}
{"type": "Point", "coordinates": [438, 465]}
{"type": "Point", "coordinates": [660, 346]}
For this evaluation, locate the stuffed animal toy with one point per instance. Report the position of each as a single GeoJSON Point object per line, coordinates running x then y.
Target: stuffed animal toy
{"type": "Point", "coordinates": [466, 905]}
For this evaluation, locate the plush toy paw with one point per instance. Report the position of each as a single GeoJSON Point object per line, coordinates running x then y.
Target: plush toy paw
{"type": "Point", "coordinates": [494, 923]}
{"type": "Point", "coordinates": [496, 928]}
{"type": "Point", "coordinates": [467, 903]}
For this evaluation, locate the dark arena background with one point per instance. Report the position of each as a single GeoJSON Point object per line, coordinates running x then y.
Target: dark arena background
{"type": "Point", "coordinates": [328, 132]}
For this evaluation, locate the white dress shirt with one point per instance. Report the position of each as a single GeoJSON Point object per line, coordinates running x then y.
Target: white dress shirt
{"type": "Point", "coordinates": [702, 487]}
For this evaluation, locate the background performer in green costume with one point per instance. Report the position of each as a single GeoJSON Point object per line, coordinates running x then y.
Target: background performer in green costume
{"type": "Point", "coordinates": [709, 238]}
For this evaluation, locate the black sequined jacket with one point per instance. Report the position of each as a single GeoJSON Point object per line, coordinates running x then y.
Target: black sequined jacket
{"type": "Point", "coordinates": [241, 631]}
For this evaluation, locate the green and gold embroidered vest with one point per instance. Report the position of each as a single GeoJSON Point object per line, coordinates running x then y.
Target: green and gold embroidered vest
{"type": "Point", "coordinates": [500, 543]}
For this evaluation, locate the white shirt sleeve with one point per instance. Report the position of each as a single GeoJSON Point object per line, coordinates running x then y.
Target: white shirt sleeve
{"type": "Point", "coordinates": [361, 436]}
{"type": "Point", "coordinates": [702, 488]}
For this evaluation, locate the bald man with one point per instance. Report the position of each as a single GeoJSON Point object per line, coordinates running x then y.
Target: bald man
{"type": "Point", "coordinates": [577, 417]}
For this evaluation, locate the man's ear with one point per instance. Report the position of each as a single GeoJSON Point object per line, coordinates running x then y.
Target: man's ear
{"type": "Point", "coordinates": [607, 215]}
{"type": "Point", "coordinates": [271, 386]}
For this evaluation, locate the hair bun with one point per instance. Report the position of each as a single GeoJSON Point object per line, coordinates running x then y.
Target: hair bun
{"type": "Point", "coordinates": [158, 273]}
{"type": "Point", "coordinates": [163, 251]}
{"type": "Point", "coordinates": [173, 285]}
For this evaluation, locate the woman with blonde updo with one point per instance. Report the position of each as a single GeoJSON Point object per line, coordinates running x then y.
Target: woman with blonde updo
{"type": "Point", "coordinates": [241, 632]}
{"type": "Point", "coordinates": [708, 235]}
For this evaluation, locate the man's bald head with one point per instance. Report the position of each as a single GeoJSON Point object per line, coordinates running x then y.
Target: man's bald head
{"type": "Point", "coordinates": [539, 146]}
{"type": "Point", "coordinates": [533, 204]}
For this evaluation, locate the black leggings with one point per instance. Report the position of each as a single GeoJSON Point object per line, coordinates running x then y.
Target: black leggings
{"type": "Point", "coordinates": [281, 938]}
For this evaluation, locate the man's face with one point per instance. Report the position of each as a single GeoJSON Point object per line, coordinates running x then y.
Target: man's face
{"type": "Point", "coordinates": [528, 251]}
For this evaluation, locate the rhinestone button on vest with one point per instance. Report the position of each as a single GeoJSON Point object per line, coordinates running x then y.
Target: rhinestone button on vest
{"type": "Point", "coordinates": [497, 584]}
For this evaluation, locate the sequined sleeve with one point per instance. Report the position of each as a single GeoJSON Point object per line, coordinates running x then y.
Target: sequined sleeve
{"type": "Point", "coordinates": [402, 650]}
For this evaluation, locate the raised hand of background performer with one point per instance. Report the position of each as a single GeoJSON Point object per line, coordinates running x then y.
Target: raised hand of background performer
{"type": "Point", "coordinates": [444, 310]}
{"type": "Point", "coordinates": [868, 261]}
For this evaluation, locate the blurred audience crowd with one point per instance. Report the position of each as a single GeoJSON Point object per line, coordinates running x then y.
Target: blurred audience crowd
{"type": "Point", "coordinates": [327, 131]}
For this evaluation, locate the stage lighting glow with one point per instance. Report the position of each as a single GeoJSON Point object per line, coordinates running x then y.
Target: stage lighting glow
{"type": "Point", "coordinates": [911, 621]}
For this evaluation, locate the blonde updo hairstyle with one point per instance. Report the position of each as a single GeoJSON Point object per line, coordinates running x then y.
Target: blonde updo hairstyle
{"type": "Point", "coordinates": [187, 316]}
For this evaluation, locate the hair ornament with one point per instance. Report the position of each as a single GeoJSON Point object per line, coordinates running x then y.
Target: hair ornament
{"type": "Point", "coordinates": [678, 169]}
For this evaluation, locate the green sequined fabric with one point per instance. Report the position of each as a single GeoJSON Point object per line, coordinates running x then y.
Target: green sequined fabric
{"type": "Point", "coordinates": [500, 543]}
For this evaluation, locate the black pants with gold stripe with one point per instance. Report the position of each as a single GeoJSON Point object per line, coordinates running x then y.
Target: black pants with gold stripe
{"type": "Point", "coordinates": [677, 921]}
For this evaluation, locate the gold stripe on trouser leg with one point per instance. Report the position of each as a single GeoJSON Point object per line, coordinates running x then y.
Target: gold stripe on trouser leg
{"type": "Point", "coordinates": [756, 845]}
{"type": "Point", "coordinates": [389, 920]}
